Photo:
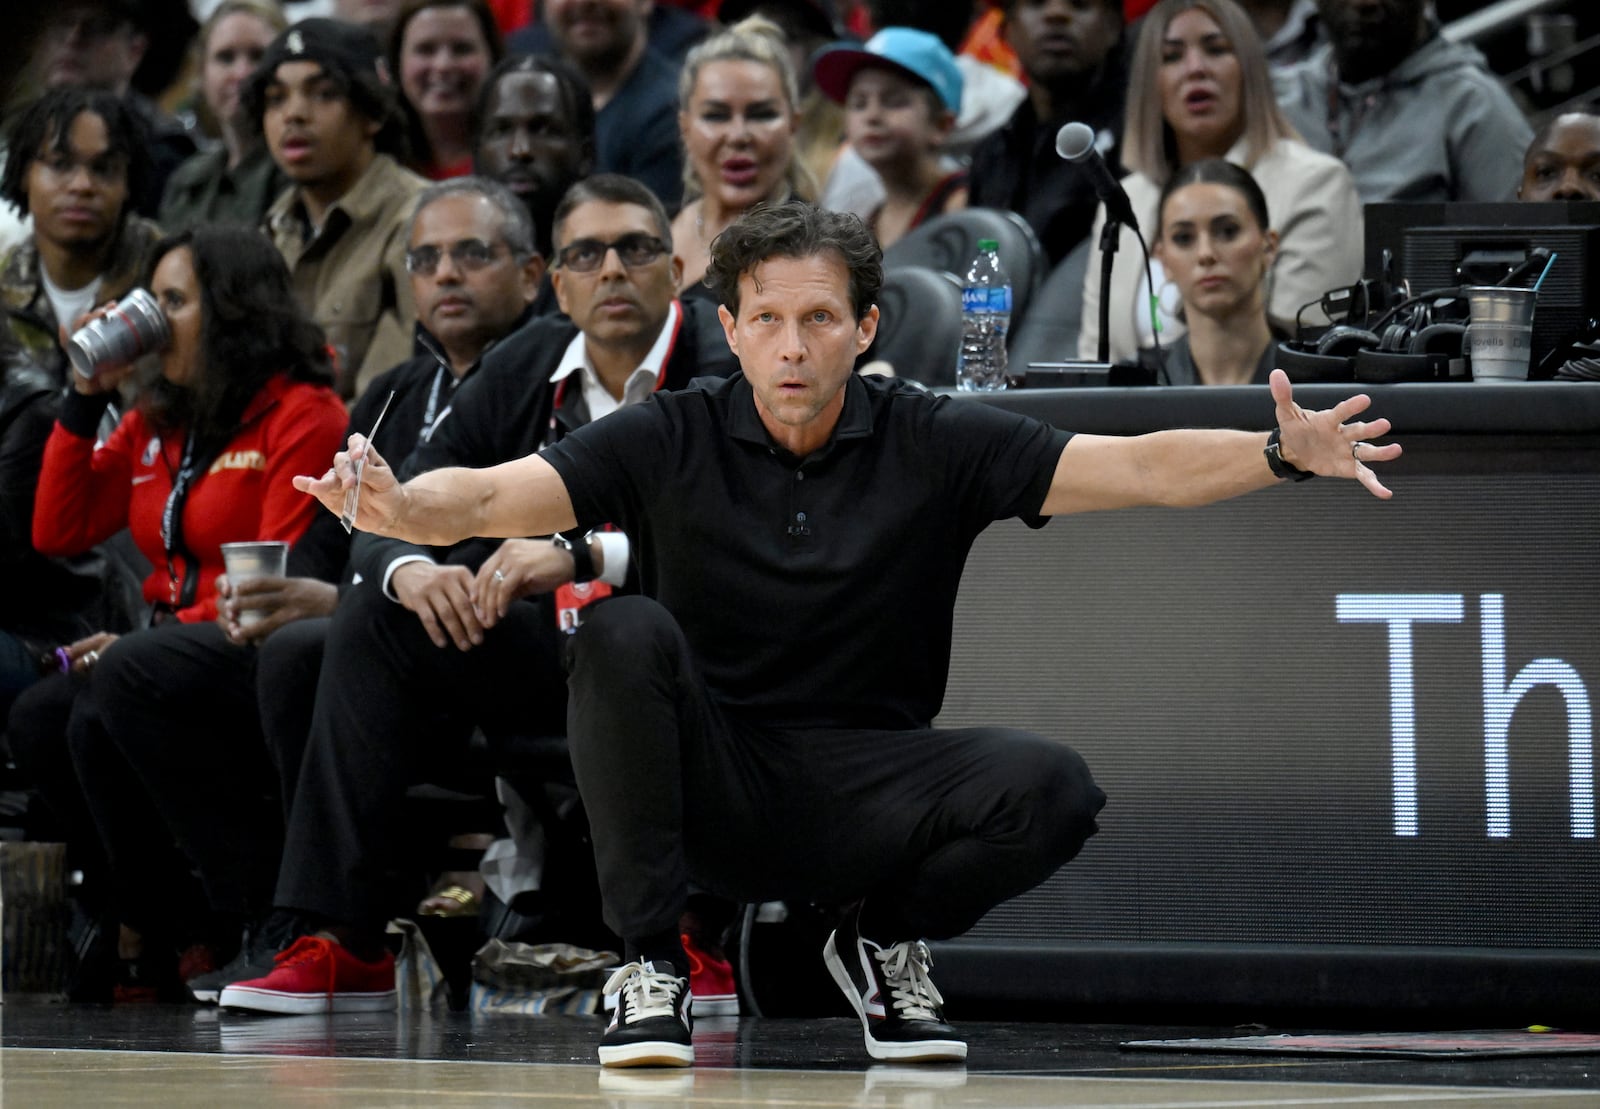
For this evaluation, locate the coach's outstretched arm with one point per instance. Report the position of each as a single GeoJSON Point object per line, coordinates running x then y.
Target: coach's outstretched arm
{"type": "Point", "coordinates": [441, 507]}
{"type": "Point", "coordinates": [1195, 467]}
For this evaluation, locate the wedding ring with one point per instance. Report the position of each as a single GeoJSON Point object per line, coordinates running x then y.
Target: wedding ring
{"type": "Point", "coordinates": [1355, 451]}
{"type": "Point", "coordinates": [90, 658]}
{"type": "Point", "coordinates": [498, 576]}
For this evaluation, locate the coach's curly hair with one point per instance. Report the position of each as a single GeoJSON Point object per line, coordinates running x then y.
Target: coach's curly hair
{"type": "Point", "coordinates": [795, 229]}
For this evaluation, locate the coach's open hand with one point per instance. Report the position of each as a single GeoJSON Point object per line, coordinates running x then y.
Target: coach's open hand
{"type": "Point", "coordinates": [1325, 444]}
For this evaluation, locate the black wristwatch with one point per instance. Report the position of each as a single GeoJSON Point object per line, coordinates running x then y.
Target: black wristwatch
{"type": "Point", "coordinates": [582, 557]}
{"type": "Point", "coordinates": [1281, 469]}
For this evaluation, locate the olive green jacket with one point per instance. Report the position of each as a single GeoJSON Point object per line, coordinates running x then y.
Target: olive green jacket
{"type": "Point", "coordinates": [350, 274]}
{"type": "Point", "coordinates": [204, 190]}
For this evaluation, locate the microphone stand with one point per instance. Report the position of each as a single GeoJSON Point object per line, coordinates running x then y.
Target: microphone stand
{"type": "Point", "coordinates": [1109, 239]}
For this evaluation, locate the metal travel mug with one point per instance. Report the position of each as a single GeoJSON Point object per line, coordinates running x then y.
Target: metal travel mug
{"type": "Point", "coordinates": [133, 327]}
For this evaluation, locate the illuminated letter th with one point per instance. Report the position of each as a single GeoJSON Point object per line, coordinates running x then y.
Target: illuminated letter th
{"type": "Point", "coordinates": [1399, 611]}
{"type": "Point", "coordinates": [1501, 700]}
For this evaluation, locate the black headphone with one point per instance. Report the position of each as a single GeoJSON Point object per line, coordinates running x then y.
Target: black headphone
{"type": "Point", "coordinates": [1345, 353]}
{"type": "Point", "coordinates": [1344, 341]}
{"type": "Point", "coordinates": [1439, 338]}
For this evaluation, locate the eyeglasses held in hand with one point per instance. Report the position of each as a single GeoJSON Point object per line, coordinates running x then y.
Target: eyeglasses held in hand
{"type": "Point", "coordinates": [469, 256]}
{"type": "Point", "coordinates": [635, 249]}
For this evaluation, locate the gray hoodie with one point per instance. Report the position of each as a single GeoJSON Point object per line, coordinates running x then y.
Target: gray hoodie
{"type": "Point", "coordinates": [1437, 127]}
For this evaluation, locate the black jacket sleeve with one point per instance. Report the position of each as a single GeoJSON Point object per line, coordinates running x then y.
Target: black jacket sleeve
{"type": "Point", "coordinates": [500, 413]}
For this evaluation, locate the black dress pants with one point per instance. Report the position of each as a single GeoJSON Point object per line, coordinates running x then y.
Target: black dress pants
{"type": "Point", "coordinates": [287, 664]}
{"type": "Point", "coordinates": [937, 826]}
{"type": "Point", "coordinates": [392, 709]}
{"type": "Point", "coordinates": [167, 747]}
{"type": "Point", "coordinates": [36, 734]}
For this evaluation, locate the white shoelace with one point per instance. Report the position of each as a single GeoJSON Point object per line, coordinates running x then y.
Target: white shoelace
{"type": "Point", "coordinates": [645, 993]}
{"type": "Point", "coordinates": [905, 971]}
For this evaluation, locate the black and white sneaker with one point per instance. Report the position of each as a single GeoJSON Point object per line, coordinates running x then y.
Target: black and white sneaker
{"type": "Point", "coordinates": [255, 959]}
{"type": "Point", "coordinates": [889, 988]}
{"type": "Point", "coordinates": [652, 1023]}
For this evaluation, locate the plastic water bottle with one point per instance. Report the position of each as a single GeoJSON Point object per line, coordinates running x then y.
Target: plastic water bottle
{"type": "Point", "coordinates": [985, 318]}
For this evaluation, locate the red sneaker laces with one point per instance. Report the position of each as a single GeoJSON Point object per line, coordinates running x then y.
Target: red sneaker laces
{"type": "Point", "coordinates": [697, 963]}
{"type": "Point", "coordinates": [307, 948]}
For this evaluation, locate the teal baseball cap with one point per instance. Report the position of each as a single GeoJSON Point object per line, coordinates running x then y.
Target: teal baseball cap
{"type": "Point", "coordinates": [917, 54]}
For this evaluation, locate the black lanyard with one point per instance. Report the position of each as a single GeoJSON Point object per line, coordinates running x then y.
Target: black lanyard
{"type": "Point", "coordinates": [172, 529]}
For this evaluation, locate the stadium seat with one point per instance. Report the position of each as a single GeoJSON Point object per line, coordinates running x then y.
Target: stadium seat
{"type": "Point", "coordinates": [1050, 333]}
{"type": "Point", "coordinates": [950, 241]}
{"type": "Point", "coordinates": [919, 325]}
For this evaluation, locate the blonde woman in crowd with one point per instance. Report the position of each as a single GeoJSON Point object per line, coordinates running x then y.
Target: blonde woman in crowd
{"type": "Point", "coordinates": [737, 112]}
{"type": "Point", "coordinates": [1200, 88]}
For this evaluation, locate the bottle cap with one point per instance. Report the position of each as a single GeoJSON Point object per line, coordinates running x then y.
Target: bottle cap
{"type": "Point", "coordinates": [988, 244]}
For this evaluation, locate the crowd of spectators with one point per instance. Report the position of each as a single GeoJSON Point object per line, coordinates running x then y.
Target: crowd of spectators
{"type": "Point", "coordinates": [583, 155]}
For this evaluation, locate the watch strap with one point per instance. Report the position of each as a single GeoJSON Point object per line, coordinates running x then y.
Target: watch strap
{"type": "Point", "coordinates": [582, 556]}
{"type": "Point", "coordinates": [1280, 468]}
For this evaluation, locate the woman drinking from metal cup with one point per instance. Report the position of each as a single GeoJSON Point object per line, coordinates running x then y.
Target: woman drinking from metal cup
{"type": "Point", "coordinates": [238, 401]}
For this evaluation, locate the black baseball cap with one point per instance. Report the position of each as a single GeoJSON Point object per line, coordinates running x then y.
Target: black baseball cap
{"type": "Point", "coordinates": [343, 50]}
{"type": "Point", "coordinates": [348, 54]}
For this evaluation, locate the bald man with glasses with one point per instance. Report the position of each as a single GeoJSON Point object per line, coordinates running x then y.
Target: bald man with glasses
{"type": "Point", "coordinates": [397, 693]}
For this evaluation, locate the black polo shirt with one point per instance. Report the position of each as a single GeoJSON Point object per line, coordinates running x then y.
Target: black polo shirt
{"type": "Point", "coordinates": [816, 591]}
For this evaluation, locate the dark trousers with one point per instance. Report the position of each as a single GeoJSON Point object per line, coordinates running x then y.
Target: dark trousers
{"type": "Point", "coordinates": [938, 826]}
{"type": "Point", "coordinates": [287, 664]}
{"type": "Point", "coordinates": [19, 668]}
{"type": "Point", "coordinates": [392, 709]}
{"type": "Point", "coordinates": [36, 733]}
{"type": "Point", "coordinates": [167, 747]}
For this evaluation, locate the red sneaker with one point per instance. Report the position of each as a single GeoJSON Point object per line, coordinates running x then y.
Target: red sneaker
{"type": "Point", "coordinates": [710, 982]}
{"type": "Point", "coordinates": [317, 974]}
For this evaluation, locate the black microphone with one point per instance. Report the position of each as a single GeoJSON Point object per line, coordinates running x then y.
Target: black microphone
{"type": "Point", "coordinates": [1075, 143]}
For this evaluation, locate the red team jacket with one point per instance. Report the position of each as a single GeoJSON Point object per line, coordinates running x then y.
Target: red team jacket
{"type": "Point", "coordinates": [86, 494]}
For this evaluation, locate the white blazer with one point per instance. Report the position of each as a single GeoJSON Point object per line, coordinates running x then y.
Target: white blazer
{"type": "Point", "coordinates": [1313, 205]}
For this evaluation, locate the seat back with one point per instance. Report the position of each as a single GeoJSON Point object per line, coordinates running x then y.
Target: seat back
{"type": "Point", "coordinates": [919, 325]}
{"type": "Point", "coordinates": [950, 241]}
{"type": "Point", "coordinates": [1050, 333]}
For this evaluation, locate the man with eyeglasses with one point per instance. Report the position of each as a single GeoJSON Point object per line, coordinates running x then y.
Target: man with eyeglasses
{"type": "Point", "coordinates": [413, 662]}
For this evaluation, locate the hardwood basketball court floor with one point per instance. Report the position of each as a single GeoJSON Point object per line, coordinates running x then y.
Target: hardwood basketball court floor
{"type": "Point", "coordinates": [186, 1057]}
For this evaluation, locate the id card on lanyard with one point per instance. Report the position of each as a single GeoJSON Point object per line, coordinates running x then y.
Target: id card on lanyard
{"type": "Point", "coordinates": [573, 597]}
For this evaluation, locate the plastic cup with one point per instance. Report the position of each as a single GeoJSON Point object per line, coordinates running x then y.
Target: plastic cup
{"type": "Point", "coordinates": [264, 558]}
{"type": "Point", "coordinates": [1500, 336]}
